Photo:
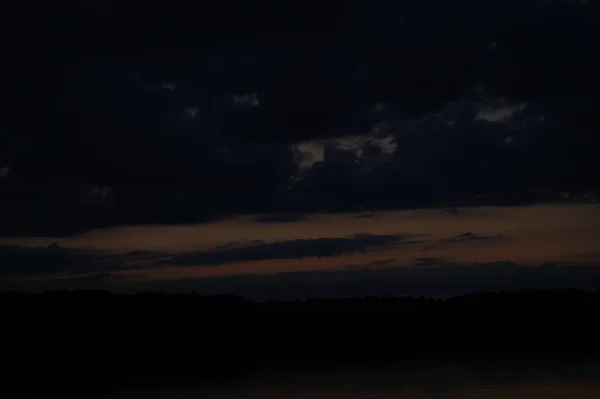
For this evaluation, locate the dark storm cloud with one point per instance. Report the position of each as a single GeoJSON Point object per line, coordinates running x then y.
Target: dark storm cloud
{"type": "Point", "coordinates": [293, 249]}
{"type": "Point", "coordinates": [443, 159]}
{"type": "Point", "coordinates": [205, 126]}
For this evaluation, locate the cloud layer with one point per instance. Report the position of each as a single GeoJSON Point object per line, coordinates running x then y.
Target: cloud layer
{"type": "Point", "coordinates": [18, 261]}
{"type": "Point", "coordinates": [378, 106]}
{"type": "Point", "coordinates": [55, 267]}
{"type": "Point", "coordinates": [293, 249]}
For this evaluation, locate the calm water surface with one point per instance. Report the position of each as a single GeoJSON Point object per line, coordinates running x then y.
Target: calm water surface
{"type": "Point", "coordinates": [436, 380]}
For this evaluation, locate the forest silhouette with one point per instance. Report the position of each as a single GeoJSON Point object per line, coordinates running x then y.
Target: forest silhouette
{"type": "Point", "coordinates": [103, 338]}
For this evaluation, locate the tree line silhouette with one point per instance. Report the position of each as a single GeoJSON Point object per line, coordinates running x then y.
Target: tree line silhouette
{"type": "Point", "coordinates": [102, 338]}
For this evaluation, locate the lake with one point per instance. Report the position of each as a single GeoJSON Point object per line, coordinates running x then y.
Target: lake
{"type": "Point", "coordinates": [547, 378]}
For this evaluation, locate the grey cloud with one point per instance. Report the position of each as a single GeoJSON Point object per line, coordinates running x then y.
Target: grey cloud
{"type": "Point", "coordinates": [293, 249]}
{"type": "Point", "coordinates": [440, 159]}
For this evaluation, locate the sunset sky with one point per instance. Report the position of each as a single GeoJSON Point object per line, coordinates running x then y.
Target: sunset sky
{"type": "Point", "coordinates": [248, 245]}
{"type": "Point", "coordinates": [383, 140]}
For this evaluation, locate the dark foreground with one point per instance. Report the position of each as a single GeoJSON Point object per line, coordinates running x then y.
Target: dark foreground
{"type": "Point", "coordinates": [103, 340]}
{"type": "Point", "coordinates": [449, 378]}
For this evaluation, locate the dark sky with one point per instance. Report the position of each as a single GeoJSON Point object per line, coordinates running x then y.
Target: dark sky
{"type": "Point", "coordinates": [142, 114]}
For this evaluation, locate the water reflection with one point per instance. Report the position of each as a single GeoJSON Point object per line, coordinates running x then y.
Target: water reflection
{"type": "Point", "coordinates": [447, 380]}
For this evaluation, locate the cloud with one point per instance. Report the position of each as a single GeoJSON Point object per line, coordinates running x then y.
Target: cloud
{"type": "Point", "coordinates": [378, 106]}
{"type": "Point", "coordinates": [293, 249]}
{"type": "Point", "coordinates": [4, 172]}
{"type": "Point", "coordinates": [434, 164]}
{"type": "Point", "coordinates": [21, 261]}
